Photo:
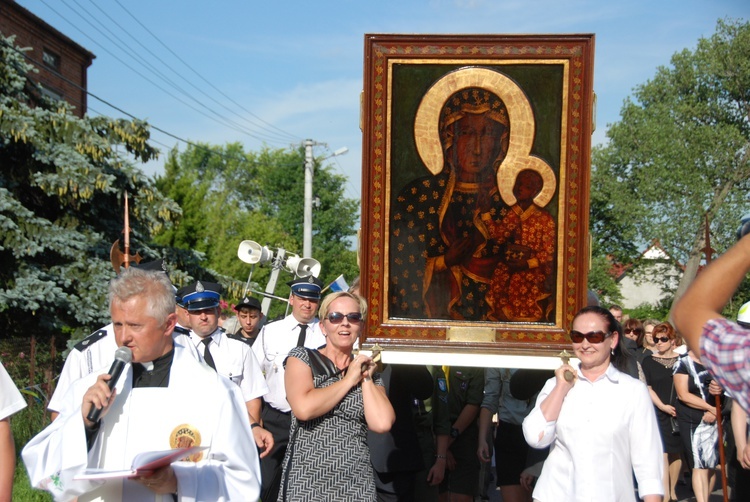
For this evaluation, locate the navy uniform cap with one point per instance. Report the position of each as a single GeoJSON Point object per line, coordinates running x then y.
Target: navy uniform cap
{"type": "Point", "coordinates": [153, 266]}
{"type": "Point", "coordinates": [180, 293]}
{"type": "Point", "coordinates": [248, 302]}
{"type": "Point", "coordinates": [306, 287]}
{"type": "Point", "coordinates": [200, 295]}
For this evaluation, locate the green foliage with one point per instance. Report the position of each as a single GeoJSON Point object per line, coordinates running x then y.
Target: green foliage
{"type": "Point", "coordinates": [680, 152]}
{"type": "Point", "coordinates": [740, 297]}
{"type": "Point", "coordinates": [61, 205]}
{"type": "Point", "coordinates": [26, 424]}
{"type": "Point", "coordinates": [22, 489]}
{"type": "Point", "coordinates": [602, 282]}
{"type": "Point", "coordinates": [228, 195]}
{"type": "Point", "coordinates": [646, 311]}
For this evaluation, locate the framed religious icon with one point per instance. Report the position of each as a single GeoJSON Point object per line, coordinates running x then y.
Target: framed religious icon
{"type": "Point", "coordinates": [476, 163]}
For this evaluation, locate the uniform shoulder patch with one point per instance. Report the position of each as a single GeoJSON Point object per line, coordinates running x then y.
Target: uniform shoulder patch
{"type": "Point", "coordinates": [181, 331]}
{"type": "Point", "coordinates": [237, 336]}
{"type": "Point", "coordinates": [90, 340]}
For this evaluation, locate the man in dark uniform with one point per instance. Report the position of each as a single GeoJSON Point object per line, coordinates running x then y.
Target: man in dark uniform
{"type": "Point", "coordinates": [465, 394]}
{"type": "Point", "coordinates": [395, 455]}
{"type": "Point", "coordinates": [433, 425]}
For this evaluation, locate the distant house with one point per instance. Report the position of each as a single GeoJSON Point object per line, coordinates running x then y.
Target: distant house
{"type": "Point", "coordinates": [649, 279]}
{"type": "Point", "coordinates": [62, 63]}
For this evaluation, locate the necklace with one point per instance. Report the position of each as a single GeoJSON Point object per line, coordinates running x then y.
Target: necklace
{"type": "Point", "coordinates": [667, 362]}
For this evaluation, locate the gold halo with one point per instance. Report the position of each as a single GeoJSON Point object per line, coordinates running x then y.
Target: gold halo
{"type": "Point", "coordinates": [507, 179]}
{"type": "Point", "coordinates": [522, 128]}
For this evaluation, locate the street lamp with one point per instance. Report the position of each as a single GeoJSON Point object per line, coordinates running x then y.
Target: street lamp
{"type": "Point", "coordinates": [307, 228]}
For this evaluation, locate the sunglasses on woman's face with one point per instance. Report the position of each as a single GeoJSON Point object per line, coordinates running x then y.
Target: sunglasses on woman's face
{"type": "Point", "coordinates": [636, 331]}
{"type": "Point", "coordinates": [592, 336]}
{"type": "Point", "coordinates": [338, 317]}
{"type": "Point", "coordinates": [661, 339]}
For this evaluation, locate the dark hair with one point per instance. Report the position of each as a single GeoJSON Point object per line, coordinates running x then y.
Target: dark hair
{"type": "Point", "coordinates": [665, 328]}
{"type": "Point", "coordinates": [620, 357]}
{"type": "Point", "coordinates": [633, 323]}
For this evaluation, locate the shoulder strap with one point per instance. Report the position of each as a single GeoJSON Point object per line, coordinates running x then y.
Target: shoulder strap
{"type": "Point", "coordinates": [321, 366]}
{"type": "Point", "coordinates": [236, 336]}
{"type": "Point", "coordinates": [180, 330]}
{"type": "Point", "coordinates": [91, 339]}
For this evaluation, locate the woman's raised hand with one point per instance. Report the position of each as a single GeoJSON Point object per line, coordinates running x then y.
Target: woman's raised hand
{"type": "Point", "coordinates": [361, 366]}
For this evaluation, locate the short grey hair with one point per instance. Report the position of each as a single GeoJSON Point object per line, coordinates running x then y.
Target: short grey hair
{"type": "Point", "coordinates": [153, 284]}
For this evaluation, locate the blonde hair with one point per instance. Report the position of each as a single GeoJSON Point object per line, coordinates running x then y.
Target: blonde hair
{"type": "Point", "coordinates": [326, 303]}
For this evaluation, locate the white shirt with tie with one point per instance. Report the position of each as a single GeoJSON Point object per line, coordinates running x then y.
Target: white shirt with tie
{"type": "Point", "coordinates": [234, 359]}
{"type": "Point", "coordinates": [272, 347]}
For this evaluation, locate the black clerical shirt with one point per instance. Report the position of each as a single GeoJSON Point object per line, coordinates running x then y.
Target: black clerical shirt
{"type": "Point", "coordinates": [153, 374]}
{"type": "Point", "coordinates": [157, 375]}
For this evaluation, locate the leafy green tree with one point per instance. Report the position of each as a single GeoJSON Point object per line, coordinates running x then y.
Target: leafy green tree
{"type": "Point", "coordinates": [659, 312]}
{"type": "Point", "coordinates": [61, 205]}
{"type": "Point", "coordinates": [679, 156]}
{"type": "Point", "coordinates": [602, 282]}
{"type": "Point", "coordinates": [228, 195]}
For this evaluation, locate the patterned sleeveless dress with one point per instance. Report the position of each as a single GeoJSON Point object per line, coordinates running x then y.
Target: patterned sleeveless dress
{"type": "Point", "coordinates": [328, 458]}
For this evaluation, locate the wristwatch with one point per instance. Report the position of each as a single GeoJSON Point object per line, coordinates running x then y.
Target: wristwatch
{"type": "Point", "coordinates": [454, 433]}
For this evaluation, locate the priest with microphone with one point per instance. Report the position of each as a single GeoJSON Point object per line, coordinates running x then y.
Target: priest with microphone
{"type": "Point", "coordinates": [163, 399]}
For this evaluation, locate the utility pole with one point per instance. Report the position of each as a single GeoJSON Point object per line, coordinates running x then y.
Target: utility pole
{"type": "Point", "coordinates": [307, 228]}
{"type": "Point", "coordinates": [308, 209]}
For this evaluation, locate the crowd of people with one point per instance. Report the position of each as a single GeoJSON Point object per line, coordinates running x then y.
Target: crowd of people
{"type": "Point", "coordinates": [293, 410]}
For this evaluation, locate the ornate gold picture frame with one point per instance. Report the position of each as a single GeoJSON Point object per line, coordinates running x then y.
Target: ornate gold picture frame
{"type": "Point", "coordinates": [476, 160]}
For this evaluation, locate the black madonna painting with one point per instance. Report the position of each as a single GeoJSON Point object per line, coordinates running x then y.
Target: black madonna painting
{"type": "Point", "coordinates": [475, 192]}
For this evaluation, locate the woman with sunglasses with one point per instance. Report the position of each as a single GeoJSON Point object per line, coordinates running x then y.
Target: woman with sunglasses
{"type": "Point", "coordinates": [600, 423]}
{"type": "Point", "coordinates": [658, 369]}
{"type": "Point", "coordinates": [335, 397]}
{"type": "Point", "coordinates": [632, 328]}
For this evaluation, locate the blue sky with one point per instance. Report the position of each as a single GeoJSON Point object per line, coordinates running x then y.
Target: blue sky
{"type": "Point", "coordinates": [285, 71]}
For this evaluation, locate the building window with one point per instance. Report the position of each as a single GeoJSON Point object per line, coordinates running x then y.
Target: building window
{"type": "Point", "coordinates": [51, 59]}
{"type": "Point", "coordinates": [51, 93]}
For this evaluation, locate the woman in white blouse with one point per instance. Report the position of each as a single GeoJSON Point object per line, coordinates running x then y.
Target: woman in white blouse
{"type": "Point", "coordinates": [601, 424]}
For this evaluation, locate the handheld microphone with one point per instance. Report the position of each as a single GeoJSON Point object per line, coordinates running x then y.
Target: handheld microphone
{"type": "Point", "coordinates": [123, 356]}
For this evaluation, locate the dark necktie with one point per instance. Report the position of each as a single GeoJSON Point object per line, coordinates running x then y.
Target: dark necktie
{"type": "Point", "coordinates": [207, 353]}
{"type": "Point", "coordinates": [302, 333]}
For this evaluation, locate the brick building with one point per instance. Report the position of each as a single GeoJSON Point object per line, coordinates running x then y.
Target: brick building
{"type": "Point", "coordinates": [62, 63]}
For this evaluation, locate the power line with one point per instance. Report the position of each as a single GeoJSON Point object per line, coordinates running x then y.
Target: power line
{"type": "Point", "coordinates": [150, 80]}
{"type": "Point", "coordinates": [271, 135]}
{"type": "Point", "coordinates": [151, 125]}
{"type": "Point", "coordinates": [234, 127]}
{"type": "Point", "coordinates": [102, 100]}
{"type": "Point", "coordinates": [290, 136]}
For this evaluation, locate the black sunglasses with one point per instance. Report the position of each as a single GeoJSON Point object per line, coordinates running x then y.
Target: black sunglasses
{"type": "Point", "coordinates": [592, 337]}
{"type": "Point", "coordinates": [661, 339]}
{"type": "Point", "coordinates": [637, 331]}
{"type": "Point", "coordinates": [338, 317]}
